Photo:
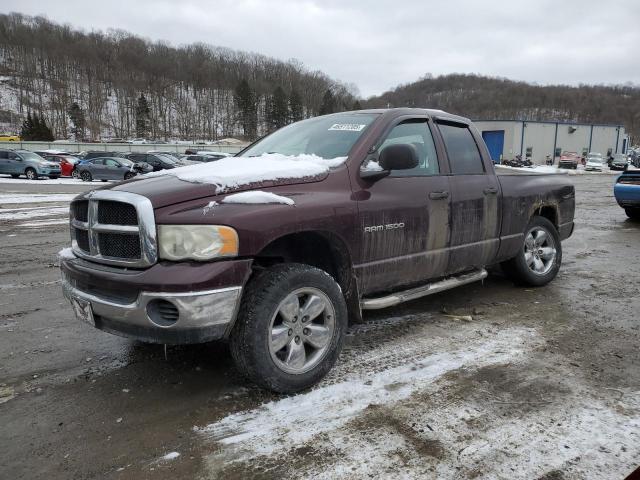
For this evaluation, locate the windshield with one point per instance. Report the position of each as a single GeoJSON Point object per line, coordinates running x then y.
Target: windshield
{"type": "Point", "coordinates": [166, 158]}
{"type": "Point", "coordinates": [30, 156]}
{"type": "Point", "coordinates": [124, 161]}
{"type": "Point", "coordinates": [329, 136]}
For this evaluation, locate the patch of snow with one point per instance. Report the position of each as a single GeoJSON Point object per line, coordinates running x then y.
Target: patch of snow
{"type": "Point", "coordinates": [170, 456]}
{"type": "Point", "coordinates": [35, 198]}
{"type": "Point", "coordinates": [44, 223]}
{"type": "Point", "coordinates": [26, 213]}
{"type": "Point", "coordinates": [275, 425]}
{"type": "Point", "coordinates": [209, 206]}
{"type": "Point", "coordinates": [66, 254]}
{"type": "Point", "coordinates": [371, 166]}
{"type": "Point", "coordinates": [257, 197]}
{"type": "Point", "coordinates": [233, 172]}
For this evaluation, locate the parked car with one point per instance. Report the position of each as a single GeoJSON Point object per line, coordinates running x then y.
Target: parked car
{"type": "Point", "coordinates": [88, 155]}
{"type": "Point", "coordinates": [627, 192]}
{"type": "Point", "coordinates": [569, 160]}
{"type": "Point", "coordinates": [365, 210]}
{"type": "Point", "coordinates": [594, 162]}
{"type": "Point", "coordinates": [175, 155]}
{"type": "Point", "coordinates": [107, 168]}
{"type": "Point", "coordinates": [67, 163]}
{"type": "Point", "coordinates": [156, 161]}
{"type": "Point", "coordinates": [29, 164]}
{"type": "Point", "coordinates": [201, 158]}
{"type": "Point", "coordinates": [619, 162]}
{"type": "Point", "coordinates": [8, 137]}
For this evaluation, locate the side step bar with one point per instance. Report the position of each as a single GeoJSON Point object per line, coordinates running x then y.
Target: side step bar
{"type": "Point", "coordinates": [422, 291]}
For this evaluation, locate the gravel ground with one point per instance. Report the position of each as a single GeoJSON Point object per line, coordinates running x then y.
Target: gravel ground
{"type": "Point", "coordinates": [540, 383]}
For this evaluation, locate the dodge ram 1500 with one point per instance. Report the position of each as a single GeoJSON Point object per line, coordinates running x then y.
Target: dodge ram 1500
{"type": "Point", "coordinates": [276, 249]}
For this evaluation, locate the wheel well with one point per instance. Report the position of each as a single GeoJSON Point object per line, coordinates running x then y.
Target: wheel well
{"type": "Point", "coordinates": [323, 250]}
{"type": "Point", "coordinates": [549, 213]}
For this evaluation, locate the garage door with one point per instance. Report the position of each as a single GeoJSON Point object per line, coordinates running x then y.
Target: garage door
{"type": "Point", "coordinates": [495, 143]}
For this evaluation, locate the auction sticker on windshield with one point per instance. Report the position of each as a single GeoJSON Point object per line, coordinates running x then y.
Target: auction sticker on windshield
{"type": "Point", "coordinates": [349, 127]}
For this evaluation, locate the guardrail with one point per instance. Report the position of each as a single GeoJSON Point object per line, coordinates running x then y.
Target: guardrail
{"type": "Point", "coordinates": [119, 147]}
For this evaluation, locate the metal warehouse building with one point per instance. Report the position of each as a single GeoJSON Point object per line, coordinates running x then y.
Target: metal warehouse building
{"type": "Point", "coordinates": [535, 140]}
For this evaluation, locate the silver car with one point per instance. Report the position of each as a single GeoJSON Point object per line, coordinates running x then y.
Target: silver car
{"type": "Point", "coordinates": [106, 168]}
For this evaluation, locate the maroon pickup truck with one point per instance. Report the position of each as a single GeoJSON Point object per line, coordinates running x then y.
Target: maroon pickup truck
{"type": "Point", "coordinates": [278, 248]}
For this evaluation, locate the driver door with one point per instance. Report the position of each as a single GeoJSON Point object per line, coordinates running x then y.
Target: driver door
{"type": "Point", "coordinates": [404, 217]}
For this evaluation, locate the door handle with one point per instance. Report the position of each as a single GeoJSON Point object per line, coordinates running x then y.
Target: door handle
{"type": "Point", "coordinates": [438, 195]}
{"type": "Point", "coordinates": [490, 190]}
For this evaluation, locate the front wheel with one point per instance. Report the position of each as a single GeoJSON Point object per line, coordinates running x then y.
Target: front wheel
{"type": "Point", "coordinates": [31, 174]}
{"type": "Point", "coordinates": [539, 258]}
{"type": "Point", "coordinates": [86, 176]}
{"type": "Point", "coordinates": [129, 175]}
{"type": "Point", "coordinates": [633, 213]}
{"type": "Point", "coordinates": [75, 174]}
{"type": "Point", "coordinates": [290, 328]}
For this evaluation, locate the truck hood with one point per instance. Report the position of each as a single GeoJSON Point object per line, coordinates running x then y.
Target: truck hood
{"type": "Point", "coordinates": [229, 175]}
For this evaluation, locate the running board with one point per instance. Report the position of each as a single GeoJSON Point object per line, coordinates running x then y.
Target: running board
{"type": "Point", "coordinates": [422, 291]}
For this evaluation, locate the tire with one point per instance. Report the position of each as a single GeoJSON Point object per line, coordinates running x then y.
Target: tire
{"type": "Point", "coordinates": [287, 288]}
{"type": "Point", "coordinates": [633, 213]}
{"type": "Point", "coordinates": [15, 175]}
{"type": "Point", "coordinates": [86, 176]}
{"type": "Point", "coordinates": [54, 177]}
{"type": "Point", "coordinates": [31, 174]}
{"type": "Point", "coordinates": [75, 174]}
{"type": "Point", "coordinates": [129, 175]}
{"type": "Point", "coordinates": [525, 268]}
{"type": "Point", "coordinates": [103, 180]}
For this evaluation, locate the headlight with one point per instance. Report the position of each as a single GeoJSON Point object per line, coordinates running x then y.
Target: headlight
{"type": "Point", "coordinates": [196, 242]}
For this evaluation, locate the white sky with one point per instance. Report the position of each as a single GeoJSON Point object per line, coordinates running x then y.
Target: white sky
{"type": "Point", "coordinates": [378, 44]}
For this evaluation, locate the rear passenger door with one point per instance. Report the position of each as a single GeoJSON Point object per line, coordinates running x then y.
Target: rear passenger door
{"type": "Point", "coordinates": [475, 199]}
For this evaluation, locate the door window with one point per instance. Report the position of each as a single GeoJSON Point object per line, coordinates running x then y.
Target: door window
{"type": "Point", "coordinates": [4, 154]}
{"type": "Point", "coordinates": [416, 133]}
{"type": "Point", "coordinates": [13, 156]}
{"type": "Point", "coordinates": [464, 156]}
{"type": "Point", "coordinates": [111, 163]}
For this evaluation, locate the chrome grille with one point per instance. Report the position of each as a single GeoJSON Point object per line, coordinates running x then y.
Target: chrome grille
{"type": "Point", "coordinates": [114, 228]}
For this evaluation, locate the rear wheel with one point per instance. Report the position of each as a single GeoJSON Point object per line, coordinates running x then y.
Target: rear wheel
{"type": "Point", "coordinates": [129, 175]}
{"type": "Point", "coordinates": [540, 256]}
{"type": "Point", "coordinates": [290, 327]}
{"type": "Point", "coordinates": [75, 174]}
{"type": "Point", "coordinates": [31, 174]}
{"type": "Point", "coordinates": [86, 176]}
{"type": "Point", "coordinates": [633, 213]}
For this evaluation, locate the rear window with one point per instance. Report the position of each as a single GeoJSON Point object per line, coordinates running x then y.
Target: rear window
{"type": "Point", "coordinates": [464, 156]}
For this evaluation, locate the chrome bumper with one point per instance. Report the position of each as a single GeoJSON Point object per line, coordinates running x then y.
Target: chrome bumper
{"type": "Point", "coordinates": [201, 316]}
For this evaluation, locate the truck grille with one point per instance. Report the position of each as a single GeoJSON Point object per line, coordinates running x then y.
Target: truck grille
{"type": "Point", "coordinates": [115, 228]}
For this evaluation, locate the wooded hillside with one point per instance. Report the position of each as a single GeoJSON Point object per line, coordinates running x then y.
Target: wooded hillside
{"type": "Point", "coordinates": [479, 97]}
{"type": "Point", "coordinates": [115, 84]}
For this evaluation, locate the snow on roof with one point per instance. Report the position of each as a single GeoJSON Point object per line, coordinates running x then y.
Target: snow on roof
{"type": "Point", "coordinates": [233, 172]}
{"type": "Point", "coordinates": [255, 197]}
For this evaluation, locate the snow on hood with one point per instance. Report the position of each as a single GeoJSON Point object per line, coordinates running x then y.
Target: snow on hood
{"type": "Point", "coordinates": [232, 172]}
{"type": "Point", "coordinates": [256, 197]}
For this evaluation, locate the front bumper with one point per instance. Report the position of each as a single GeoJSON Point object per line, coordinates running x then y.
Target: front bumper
{"type": "Point", "coordinates": [150, 314]}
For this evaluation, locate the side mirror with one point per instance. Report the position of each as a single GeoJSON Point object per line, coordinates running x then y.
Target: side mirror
{"type": "Point", "coordinates": [402, 156]}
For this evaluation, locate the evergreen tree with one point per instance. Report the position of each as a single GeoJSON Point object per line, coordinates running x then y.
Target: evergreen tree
{"type": "Point", "coordinates": [27, 128]}
{"type": "Point", "coordinates": [328, 103]}
{"type": "Point", "coordinates": [76, 115]}
{"type": "Point", "coordinates": [143, 117]}
{"type": "Point", "coordinates": [45, 133]}
{"type": "Point", "coordinates": [356, 105]}
{"type": "Point", "coordinates": [295, 106]}
{"type": "Point", "coordinates": [246, 108]}
{"type": "Point", "coordinates": [36, 131]}
{"type": "Point", "coordinates": [277, 114]}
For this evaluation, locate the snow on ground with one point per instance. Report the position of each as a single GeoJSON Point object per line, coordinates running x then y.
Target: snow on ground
{"type": "Point", "coordinates": [43, 223]}
{"type": "Point", "coordinates": [45, 181]}
{"type": "Point", "coordinates": [15, 198]}
{"type": "Point", "coordinates": [551, 169]}
{"type": "Point", "coordinates": [236, 171]}
{"type": "Point", "coordinates": [436, 409]}
{"type": "Point", "coordinates": [257, 197]}
{"type": "Point", "coordinates": [29, 213]}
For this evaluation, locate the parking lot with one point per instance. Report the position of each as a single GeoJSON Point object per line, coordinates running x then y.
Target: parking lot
{"type": "Point", "coordinates": [485, 381]}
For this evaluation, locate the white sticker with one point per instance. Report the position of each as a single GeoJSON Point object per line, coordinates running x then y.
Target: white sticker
{"type": "Point", "coordinates": [348, 127]}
